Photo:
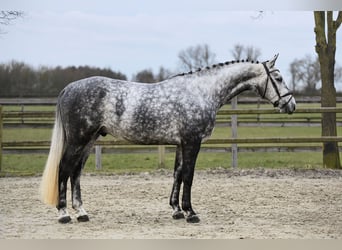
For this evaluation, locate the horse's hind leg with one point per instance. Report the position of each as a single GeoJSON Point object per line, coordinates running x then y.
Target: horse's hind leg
{"type": "Point", "coordinates": [71, 165]}
{"type": "Point", "coordinates": [76, 196]}
{"type": "Point", "coordinates": [63, 177]}
{"type": "Point", "coordinates": [82, 215]}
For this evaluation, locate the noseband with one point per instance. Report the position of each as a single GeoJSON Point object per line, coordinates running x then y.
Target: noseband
{"type": "Point", "coordinates": [269, 77]}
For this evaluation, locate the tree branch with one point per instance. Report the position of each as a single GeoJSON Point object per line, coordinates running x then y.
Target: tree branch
{"type": "Point", "coordinates": [338, 20]}
{"type": "Point", "coordinates": [331, 28]}
{"type": "Point", "coordinates": [7, 16]}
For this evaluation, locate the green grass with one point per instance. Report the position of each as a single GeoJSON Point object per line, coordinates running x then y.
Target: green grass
{"type": "Point", "coordinates": [29, 108]}
{"type": "Point", "coordinates": [24, 165]}
{"type": "Point", "coordinates": [33, 164]}
{"type": "Point", "coordinates": [32, 134]}
{"type": "Point", "coordinates": [27, 134]}
{"type": "Point", "coordinates": [148, 162]}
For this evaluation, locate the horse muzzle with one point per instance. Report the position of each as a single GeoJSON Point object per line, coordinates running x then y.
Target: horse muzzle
{"type": "Point", "coordinates": [287, 105]}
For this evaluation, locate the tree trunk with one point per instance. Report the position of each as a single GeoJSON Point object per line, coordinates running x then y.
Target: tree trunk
{"type": "Point", "coordinates": [326, 49]}
{"type": "Point", "coordinates": [331, 157]}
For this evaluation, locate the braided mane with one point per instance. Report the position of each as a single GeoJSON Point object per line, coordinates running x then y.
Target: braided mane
{"type": "Point", "coordinates": [215, 66]}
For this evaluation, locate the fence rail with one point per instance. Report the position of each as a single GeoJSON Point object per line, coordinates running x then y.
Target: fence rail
{"type": "Point", "coordinates": [256, 140]}
{"type": "Point", "coordinates": [247, 118]}
{"type": "Point", "coordinates": [36, 115]}
{"type": "Point", "coordinates": [51, 114]}
{"type": "Point", "coordinates": [242, 99]}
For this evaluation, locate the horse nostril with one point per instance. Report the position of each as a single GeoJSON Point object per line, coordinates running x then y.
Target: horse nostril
{"type": "Point", "coordinates": [291, 109]}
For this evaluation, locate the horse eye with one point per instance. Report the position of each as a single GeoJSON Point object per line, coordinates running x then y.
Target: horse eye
{"type": "Point", "coordinates": [279, 78]}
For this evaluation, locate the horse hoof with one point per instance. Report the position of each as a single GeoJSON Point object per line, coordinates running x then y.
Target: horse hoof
{"type": "Point", "coordinates": [192, 218]}
{"type": "Point", "coordinates": [64, 219]}
{"type": "Point", "coordinates": [178, 215]}
{"type": "Point", "coordinates": [83, 218]}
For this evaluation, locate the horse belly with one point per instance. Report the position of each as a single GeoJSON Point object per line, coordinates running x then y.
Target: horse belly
{"type": "Point", "coordinates": [151, 132]}
{"type": "Point", "coordinates": [143, 131]}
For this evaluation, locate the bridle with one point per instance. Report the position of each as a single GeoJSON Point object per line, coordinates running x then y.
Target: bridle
{"type": "Point", "coordinates": [269, 77]}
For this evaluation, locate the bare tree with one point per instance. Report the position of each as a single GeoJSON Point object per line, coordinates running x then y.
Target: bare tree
{"type": "Point", "coordinates": [7, 17]}
{"type": "Point", "coordinates": [296, 76]}
{"type": "Point", "coordinates": [237, 51]}
{"type": "Point", "coordinates": [195, 57]}
{"type": "Point", "coordinates": [162, 74]}
{"type": "Point", "coordinates": [145, 76]}
{"type": "Point", "coordinates": [245, 52]}
{"type": "Point", "coordinates": [252, 53]}
{"type": "Point", "coordinates": [325, 31]}
{"type": "Point", "coordinates": [305, 72]}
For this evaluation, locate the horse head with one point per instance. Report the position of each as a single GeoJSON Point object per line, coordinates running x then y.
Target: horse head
{"type": "Point", "coordinates": [274, 88]}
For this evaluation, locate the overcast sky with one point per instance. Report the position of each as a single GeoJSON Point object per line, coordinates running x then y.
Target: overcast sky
{"type": "Point", "coordinates": [129, 36]}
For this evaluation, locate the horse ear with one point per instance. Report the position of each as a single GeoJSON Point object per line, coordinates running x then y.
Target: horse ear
{"type": "Point", "coordinates": [271, 63]}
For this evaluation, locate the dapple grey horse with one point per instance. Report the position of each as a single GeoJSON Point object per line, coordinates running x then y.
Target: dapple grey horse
{"type": "Point", "coordinates": [179, 111]}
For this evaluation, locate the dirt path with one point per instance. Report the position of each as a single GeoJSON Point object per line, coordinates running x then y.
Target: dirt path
{"type": "Point", "coordinates": [231, 204]}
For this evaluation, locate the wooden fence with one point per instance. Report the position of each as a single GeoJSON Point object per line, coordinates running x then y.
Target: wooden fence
{"type": "Point", "coordinates": [242, 99]}
{"type": "Point", "coordinates": [228, 142]}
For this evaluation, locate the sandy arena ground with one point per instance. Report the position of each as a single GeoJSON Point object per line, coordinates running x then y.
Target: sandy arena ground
{"type": "Point", "coordinates": [240, 204]}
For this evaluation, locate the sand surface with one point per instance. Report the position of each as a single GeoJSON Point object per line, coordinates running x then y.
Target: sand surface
{"type": "Point", "coordinates": [233, 204]}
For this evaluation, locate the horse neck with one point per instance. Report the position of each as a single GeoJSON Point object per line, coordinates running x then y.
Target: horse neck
{"type": "Point", "coordinates": [222, 83]}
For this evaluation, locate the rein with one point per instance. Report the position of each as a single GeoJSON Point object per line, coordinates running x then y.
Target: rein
{"type": "Point", "coordinates": [269, 77]}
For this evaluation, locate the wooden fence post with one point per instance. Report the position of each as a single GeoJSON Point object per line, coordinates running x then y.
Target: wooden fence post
{"type": "Point", "coordinates": [98, 159]}
{"type": "Point", "coordinates": [0, 138]}
{"type": "Point", "coordinates": [258, 107]}
{"type": "Point", "coordinates": [161, 156]}
{"type": "Point", "coordinates": [22, 111]}
{"type": "Point", "coordinates": [234, 128]}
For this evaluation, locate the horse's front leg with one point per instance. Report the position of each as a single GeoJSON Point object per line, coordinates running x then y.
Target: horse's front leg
{"type": "Point", "coordinates": [190, 152]}
{"type": "Point", "coordinates": [174, 198]}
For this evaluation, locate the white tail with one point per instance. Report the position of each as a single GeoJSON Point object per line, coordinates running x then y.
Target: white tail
{"type": "Point", "coordinates": [49, 184]}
